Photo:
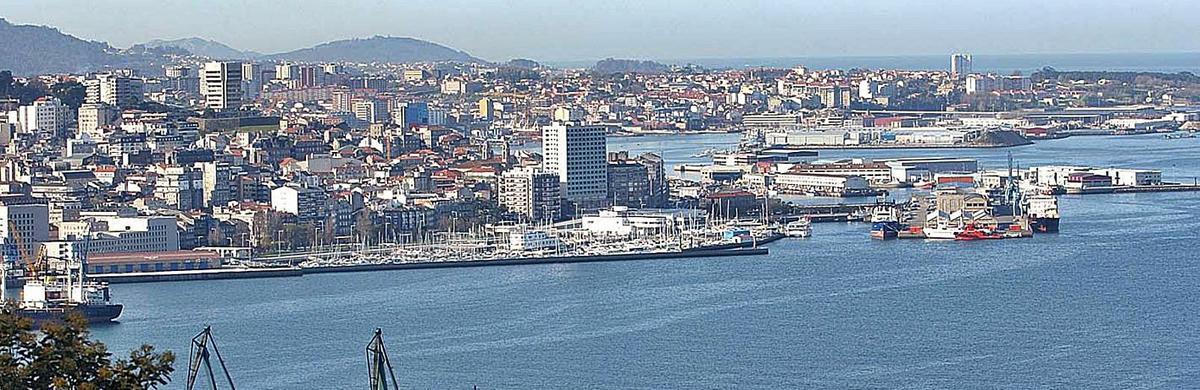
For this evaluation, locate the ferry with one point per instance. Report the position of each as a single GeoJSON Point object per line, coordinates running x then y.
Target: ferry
{"type": "Point", "coordinates": [801, 228]}
{"type": "Point", "coordinates": [51, 297]}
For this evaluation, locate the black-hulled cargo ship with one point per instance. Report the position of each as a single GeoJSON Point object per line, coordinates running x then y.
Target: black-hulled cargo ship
{"type": "Point", "coordinates": [92, 313]}
{"type": "Point", "coordinates": [1044, 225]}
{"type": "Point", "coordinates": [1042, 211]}
{"type": "Point", "coordinates": [51, 297]}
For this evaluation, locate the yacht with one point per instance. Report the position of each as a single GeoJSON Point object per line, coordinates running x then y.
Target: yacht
{"type": "Point", "coordinates": [801, 228]}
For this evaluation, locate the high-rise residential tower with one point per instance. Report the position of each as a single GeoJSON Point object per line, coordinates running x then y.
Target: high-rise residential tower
{"type": "Point", "coordinates": [221, 85]}
{"type": "Point", "coordinates": [577, 154]}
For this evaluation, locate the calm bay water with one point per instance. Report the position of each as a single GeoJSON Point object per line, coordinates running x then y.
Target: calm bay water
{"type": "Point", "coordinates": [1110, 302]}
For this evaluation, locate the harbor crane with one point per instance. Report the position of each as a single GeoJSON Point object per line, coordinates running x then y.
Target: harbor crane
{"type": "Point", "coordinates": [200, 355]}
{"type": "Point", "coordinates": [33, 263]}
{"type": "Point", "coordinates": [379, 367]}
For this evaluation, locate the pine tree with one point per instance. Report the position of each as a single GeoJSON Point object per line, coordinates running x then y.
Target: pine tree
{"type": "Point", "coordinates": [62, 356]}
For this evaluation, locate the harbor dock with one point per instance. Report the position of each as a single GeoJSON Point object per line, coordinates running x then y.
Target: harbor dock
{"type": "Point", "coordinates": [744, 249]}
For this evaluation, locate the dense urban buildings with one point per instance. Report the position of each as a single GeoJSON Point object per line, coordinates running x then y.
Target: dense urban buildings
{"type": "Point", "coordinates": [278, 156]}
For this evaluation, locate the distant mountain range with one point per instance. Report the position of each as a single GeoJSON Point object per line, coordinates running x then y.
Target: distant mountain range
{"type": "Point", "coordinates": [29, 50]}
{"type": "Point", "coordinates": [205, 48]}
{"type": "Point", "coordinates": [378, 49]}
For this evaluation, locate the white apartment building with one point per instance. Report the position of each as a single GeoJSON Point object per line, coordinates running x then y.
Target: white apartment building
{"type": "Point", "coordinates": [460, 87]}
{"type": "Point", "coordinates": [960, 64]}
{"type": "Point", "coordinates": [307, 204]}
{"type": "Point", "coordinates": [287, 71]}
{"type": "Point", "coordinates": [412, 75]}
{"type": "Point", "coordinates": [115, 234]}
{"type": "Point", "coordinates": [93, 117]}
{"type": "Point", "coordinates": [370, 110]}
{"type": "Point", "coordinates": [986, 83]}
{"type": "Point", "coordinates": [531, 192]}
{"type": "Point", "coordinates": [221, 85]}
{"type": "Point", "coordinates": [114, 90]}
{"type": "Point", "coordinates": [578, 155]}
{"type": "Point", "coordinates": [178, 186]}
{"type": "Point", "coordinates": [44, 114]}
{"type": "Point", "coordinates": [217, 183]}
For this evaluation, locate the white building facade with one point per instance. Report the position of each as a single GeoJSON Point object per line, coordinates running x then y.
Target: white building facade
{"type": "Point", "coordinates": [221, 85]}
{"type": "Point", "coordinates": [578, 155]}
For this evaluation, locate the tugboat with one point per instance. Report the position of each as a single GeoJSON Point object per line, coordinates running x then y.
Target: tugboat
{"type": "Point", "coordinates": [885, 225]}
{"type": "Point", "coordinates": [1043, 213]}
{"type": "Point", "coordinates": [971, 233]}
{"type": "Point", "coordinates": [50, 297]}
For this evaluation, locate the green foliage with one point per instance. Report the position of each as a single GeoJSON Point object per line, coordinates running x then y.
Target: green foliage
{"type": "Point", "coordinates": [61, 356]}
{"type": "Point", "coordinates": [71, 93]}
{"type": "Point", "coordinates": [267, 225]}
{"type": "Point", "coordinates": [6, 82]}
{"type": "Point", "coordinates": [24, 92]}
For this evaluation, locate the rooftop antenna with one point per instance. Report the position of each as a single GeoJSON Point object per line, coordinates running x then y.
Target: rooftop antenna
{"type": "Point", "coordinates": [379, 366]}
{"type": "Point", "coordinates": [200, 355]}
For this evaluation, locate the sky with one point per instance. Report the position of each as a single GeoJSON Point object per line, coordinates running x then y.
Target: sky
{"type": "Point", "coordinates": [569, 30]}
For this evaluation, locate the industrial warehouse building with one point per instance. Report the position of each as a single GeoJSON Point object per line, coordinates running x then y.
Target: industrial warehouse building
{"type": "Point", "coordinates": [826, 185]}
{"type": "Point", "coordinates": [117, 263]}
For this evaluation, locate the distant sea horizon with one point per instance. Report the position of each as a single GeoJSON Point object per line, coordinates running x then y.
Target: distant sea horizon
{"type": "Point", "coordinates": [994, 63]}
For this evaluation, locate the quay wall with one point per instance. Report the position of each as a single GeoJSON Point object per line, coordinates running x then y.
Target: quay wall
{"type": "Point", "coordinates": [541, 260]}
{"type": "Point", "coordinates": [214, 274]}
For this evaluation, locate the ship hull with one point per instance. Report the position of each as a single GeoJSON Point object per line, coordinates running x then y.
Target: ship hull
{"type": "Point", "coordinates": [884, 234]}
{"type": "Point", "coordinates": [92, 313]}
{"type": "Point", "coordinates": [1044, 225]}
{"type": "Point", "coordinates": [885, 230]}
{"type": "Point", "coordinates": [941, 234]}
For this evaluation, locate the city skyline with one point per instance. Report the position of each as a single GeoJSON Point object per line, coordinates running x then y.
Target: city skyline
{"type": "Point", "coordinates": [663, 31]}
{"type": "Point", "coordinates": [669, 195]}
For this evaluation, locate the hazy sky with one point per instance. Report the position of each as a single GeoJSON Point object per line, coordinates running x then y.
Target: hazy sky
{"type": "Point", "coordinates": [663, 29]}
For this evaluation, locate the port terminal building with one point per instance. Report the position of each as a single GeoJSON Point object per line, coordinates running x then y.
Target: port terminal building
{"type": "Point", "coordinates": [1061, 175]}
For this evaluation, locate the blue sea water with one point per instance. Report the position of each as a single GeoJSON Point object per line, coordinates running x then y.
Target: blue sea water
{"type": "Point", "coordinates": [1109, 303]}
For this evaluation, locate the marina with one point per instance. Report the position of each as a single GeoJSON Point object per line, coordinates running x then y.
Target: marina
{"type": "Point", "coordinates": [310, 269]}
